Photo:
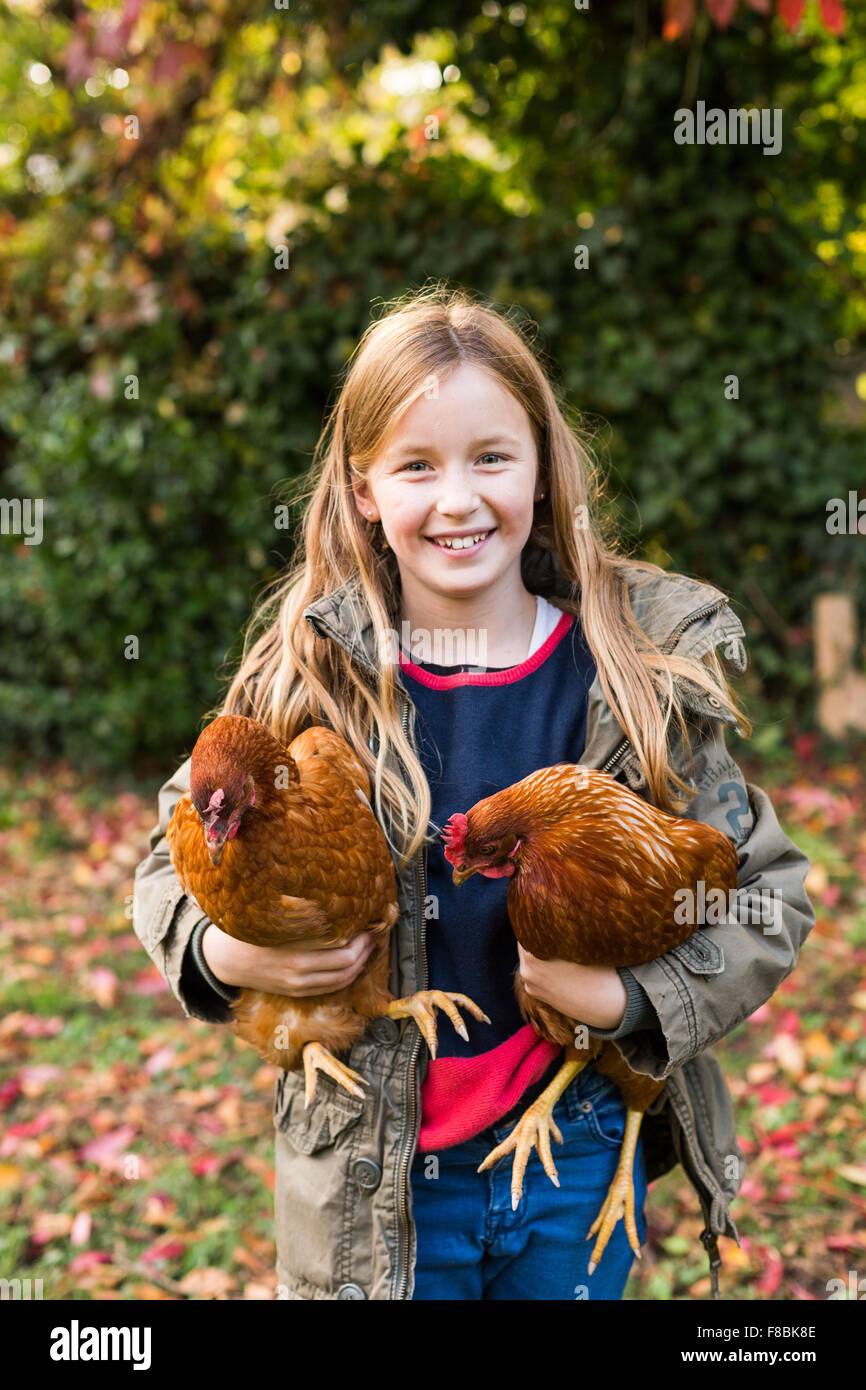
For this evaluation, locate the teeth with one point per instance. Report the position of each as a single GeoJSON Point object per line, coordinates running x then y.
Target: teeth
{"type": "Point", "coordinates": [461, 542]}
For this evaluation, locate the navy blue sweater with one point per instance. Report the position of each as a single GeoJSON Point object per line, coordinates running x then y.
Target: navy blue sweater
{"type": "Point", "coordinates": [477, 734]}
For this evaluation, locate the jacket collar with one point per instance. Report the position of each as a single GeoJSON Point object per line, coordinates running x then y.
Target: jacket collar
{"type": "Point", "coordinates": [661, 603]}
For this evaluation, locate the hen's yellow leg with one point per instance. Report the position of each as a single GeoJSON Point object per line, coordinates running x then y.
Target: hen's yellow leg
{"type": "Point", "coordinates": [317, 1058]}
{"type": "Point", "coordinates": [533, 1130]}
{"type": "Point", "coordinates": [620, 1195]}
{"type": "Point", "coordinates": [421, 1007]}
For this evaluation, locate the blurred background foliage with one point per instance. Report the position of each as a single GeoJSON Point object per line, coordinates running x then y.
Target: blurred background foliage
{"type": "Point", "coordinates": [382, 145]}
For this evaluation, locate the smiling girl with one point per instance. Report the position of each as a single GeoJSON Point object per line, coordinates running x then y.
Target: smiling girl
{"type": "Point", "coordinates": [452, 516]}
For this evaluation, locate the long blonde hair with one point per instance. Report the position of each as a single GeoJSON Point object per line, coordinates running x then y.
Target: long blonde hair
{"type": "Point", "coordinates": [289, 677]}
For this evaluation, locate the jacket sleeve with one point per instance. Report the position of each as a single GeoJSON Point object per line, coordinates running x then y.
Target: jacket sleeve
{"type": "Point", "coordinates": [725, 971]}
{"type": "Point", "coordinates": [164, 918]}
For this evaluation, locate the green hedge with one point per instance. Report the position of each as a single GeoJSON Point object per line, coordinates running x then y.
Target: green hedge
{"type": "Point", "coordinates": [159, 510]}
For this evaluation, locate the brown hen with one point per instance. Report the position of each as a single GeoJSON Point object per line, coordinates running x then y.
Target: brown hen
{"type": "Point", "coordinates": [597, 878]}
{"type": "Point", "coordinates": [279, 845]}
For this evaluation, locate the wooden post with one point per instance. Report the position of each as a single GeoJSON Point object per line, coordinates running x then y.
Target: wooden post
{"type": "Point", "coordinates": [842, 699]}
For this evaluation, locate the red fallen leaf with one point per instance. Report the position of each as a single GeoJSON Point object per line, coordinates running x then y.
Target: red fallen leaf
{"type": "Point", "coordinates": [786, 1132]}
{"type": "Point", "coordinates": [804, 744]}
{"type": "Point", "coordinates": [81, 1227]}
{"type": "Point", "coordinates": [771, 1278]}
{"type": "Point", "coordinates": [107, 1146]}
{"type": "Point", "coordinates": [182, 1139]}
{"type": "Point", "coordinates": [789, 1022]}
{"type": "Point", "coordinates": [9, 1091]}
{"type": "Point", "coordinates": [44, 1120]}
{"type": "Point", "coordinates": [76, 925]}
{"type": "Point", "coordinates": [786, 1148]}
{"type": "Point", "coordinates": [149, 981]}
{"type": "Point", "coordinates": [785, 1192]}
{"type": "Point", "coordinates": [752, 1190]}
{"type": "Point", "coordinates": [206, 1165]}
{"type": "Point", "coordinates": [87, 1260]}
{"type": "Point", "coordinates": [771, 1094]}
{"type": "Point", "coordinates": [29, 1026]}
{"type": "Point", "coordinates": [159, 1061]}
{"type": "Point", "coordinates": [855, 1240]}
{"type": "Point", "coordinates": [211, 1124]}
{"type": "Point", "coordinates": [163, 1250]}
{"type": "Point", "coordinates": [833, 16]}
{"type": "Point", "coordinates": [761, 1014]}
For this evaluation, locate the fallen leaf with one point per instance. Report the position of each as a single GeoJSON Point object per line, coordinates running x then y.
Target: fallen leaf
{"type": "Point", "coordinates": [208, 1282]}
{"type": "Point", "coordinates": [79, 1233]}
{"type": "Point", "coordinates": [107, 1146]}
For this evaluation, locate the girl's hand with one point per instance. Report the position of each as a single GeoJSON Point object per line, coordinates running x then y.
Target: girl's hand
{"type": "Point", "coordinates": [296, 969]}
{"type": "Point", "coordinates": [591, 994]}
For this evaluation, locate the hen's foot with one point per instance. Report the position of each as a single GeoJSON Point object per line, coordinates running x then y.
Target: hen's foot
{"type": "Point", "coordinates": [533, 1130]}
{"type": "Point", "coordinates": [620, 1195]}
{"type": "Point", "coordinates": [317, 1058]}
{"type": "Point", "coordinates": [422, 1006]}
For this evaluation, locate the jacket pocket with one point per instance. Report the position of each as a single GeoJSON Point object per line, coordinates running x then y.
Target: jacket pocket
{"type": "Point", "coordinates": [332, 1112]}
{"type": "Point", "coordinates": [319, 1185]}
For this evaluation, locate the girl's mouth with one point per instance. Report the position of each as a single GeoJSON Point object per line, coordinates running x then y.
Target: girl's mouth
{"type": "Point", "coordinates": [466, 545]}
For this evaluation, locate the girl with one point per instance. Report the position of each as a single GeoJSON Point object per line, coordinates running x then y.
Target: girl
{"type": "Point", "coordinates": [453, 504]}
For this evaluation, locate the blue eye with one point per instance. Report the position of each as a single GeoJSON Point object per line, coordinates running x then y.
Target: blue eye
{"type": "Point", "coordinates": [420, 463]}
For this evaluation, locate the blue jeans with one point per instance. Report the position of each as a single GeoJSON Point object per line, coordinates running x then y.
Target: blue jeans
{"type": "Point", "coordinates": [472, 1246]}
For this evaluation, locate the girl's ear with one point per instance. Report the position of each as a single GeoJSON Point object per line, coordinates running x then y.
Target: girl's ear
{"type": "Point", "coordinates": [363, 500]}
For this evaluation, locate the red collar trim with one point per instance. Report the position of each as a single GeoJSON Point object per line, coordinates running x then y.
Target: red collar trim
{"type": "Point", "coordinates": [514, 673]}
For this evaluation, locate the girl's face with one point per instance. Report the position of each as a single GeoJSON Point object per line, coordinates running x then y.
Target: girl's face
{"type": "Point", "coordinates": [461, 463]}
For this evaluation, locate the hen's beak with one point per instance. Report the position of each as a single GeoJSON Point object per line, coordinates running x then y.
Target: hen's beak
{"type": "Point", "coordinates": [215, 836]}
{"type": "Point", "coordinates": [460, 875]}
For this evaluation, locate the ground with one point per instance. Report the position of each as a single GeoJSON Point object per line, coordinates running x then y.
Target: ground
{"type": "Point", "coordinates": [137, 1156]}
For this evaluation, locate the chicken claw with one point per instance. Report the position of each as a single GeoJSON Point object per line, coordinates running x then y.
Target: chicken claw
{"type": "Point", "coordinates": [317, 1058]}
{"type": "Point", "coordinates": [421, 1007]}
{"type": "Point", "coordinates": [533, 1130]}
{"type": "Point", "coordinates": [620, 1196]}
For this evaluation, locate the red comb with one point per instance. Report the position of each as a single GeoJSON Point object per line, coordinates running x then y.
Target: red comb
{"type": "Point", "coordinates": [454, 835]}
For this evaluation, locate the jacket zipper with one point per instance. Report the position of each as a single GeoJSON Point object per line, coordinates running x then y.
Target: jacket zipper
{"type": "Point", "coordinates": [421, 957]}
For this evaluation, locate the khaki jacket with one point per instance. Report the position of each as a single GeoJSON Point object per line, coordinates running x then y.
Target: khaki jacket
{"type": "Point", "coordinates": [342, 1196]}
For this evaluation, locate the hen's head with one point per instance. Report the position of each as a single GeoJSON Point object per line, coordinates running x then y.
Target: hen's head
{"type": "Point", "coordinates": [478, 848]}
{"type": "Point", "coordinates": [221, 787]}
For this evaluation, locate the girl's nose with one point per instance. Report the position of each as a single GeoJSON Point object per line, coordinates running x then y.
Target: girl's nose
{"type": "Point", "coordinates": [457, 499]}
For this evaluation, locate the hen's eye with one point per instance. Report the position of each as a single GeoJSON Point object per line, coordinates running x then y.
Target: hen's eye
{"type": "Point", "coordinates": [488, 849]}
